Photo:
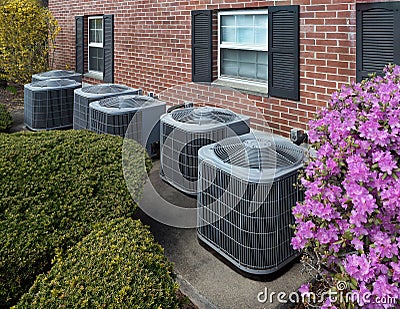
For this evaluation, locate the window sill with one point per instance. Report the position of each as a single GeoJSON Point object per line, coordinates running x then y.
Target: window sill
{"type": "Point", "coordinates": [254, 89]}
{"type": "Point", "coordinates": [94, 75]}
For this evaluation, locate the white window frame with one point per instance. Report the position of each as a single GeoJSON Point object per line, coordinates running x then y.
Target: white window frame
{"type": "Point", "coordinates": [98, 45]}
{"type": "Point", "coordinates": [221, 45]}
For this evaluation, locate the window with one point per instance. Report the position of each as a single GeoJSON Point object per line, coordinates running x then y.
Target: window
{"type": "Point", "coordinates": [258, 50]}
{"type": "Point", "coordinates": [95, 42]}
{"type": "Point", "coordinates": [378, 37]}
{"type": "Point", "coordinates": [243, 46]}
{"type": "Point", "coordinates": [94, 46]}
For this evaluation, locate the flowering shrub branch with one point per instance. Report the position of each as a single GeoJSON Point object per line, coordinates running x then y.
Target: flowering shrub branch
{"type": "Point", "coordinates": [350, 215]}
{"type": "Point", "coordinates": [27, 35]}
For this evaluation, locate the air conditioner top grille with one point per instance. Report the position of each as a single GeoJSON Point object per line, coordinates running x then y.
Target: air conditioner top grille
{"type": "Point", "coordinates": [55, 83]}
{"type": "Point", "coordinates": [203, 115]}
{"type": "Point", "coordinates": [256, 153]}
{"type": "Point", "coordinates": [127, 101]}
{"type": "Point", "coordinates": [105, 89]}
{"type": "Point", "coordinates": [56, 73]}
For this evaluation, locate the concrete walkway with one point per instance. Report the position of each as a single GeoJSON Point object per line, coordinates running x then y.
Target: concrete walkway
{"type": "Point", "coordinates": [204, 278]}
{"type": "Point", "coordinates": [18, 121]}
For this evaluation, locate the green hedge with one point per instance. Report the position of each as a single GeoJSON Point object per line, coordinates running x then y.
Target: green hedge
{"type": "Point", "coordinates": [54, 186]}
{"type": "Point", "coordinates": [118, 265]}
{"type": "Point", "coordinates": [5, 119]}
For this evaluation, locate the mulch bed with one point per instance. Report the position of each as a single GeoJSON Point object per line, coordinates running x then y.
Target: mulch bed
{"type": "Point", "coordinates": [186, 303]}
{"type": "Point", "coordinates": [12, 97]}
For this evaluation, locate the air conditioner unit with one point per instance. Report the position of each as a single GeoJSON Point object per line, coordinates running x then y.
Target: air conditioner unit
{"type": "Point", "coordinates": [114, 115]}
{"type": "Point", "coordinates": [184, 132]}
{"type": "Point", "coordinates": [57, 74]}
{"type": "Point", "coordinates": [49, 104]}
{"type": "Point", "coordinates": [246, 194]}
{"type": "Point", "coordinates": [84, 96]}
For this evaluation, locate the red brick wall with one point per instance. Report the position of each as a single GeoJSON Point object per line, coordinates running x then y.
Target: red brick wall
{"type": "Point", "coordinates": [152, 49]}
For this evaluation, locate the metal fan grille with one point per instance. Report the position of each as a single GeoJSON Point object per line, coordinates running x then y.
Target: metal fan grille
{"type": "Point", "coordinates": [204, 115]}
{"type": "Point", "coordinates": [258, 153]}
{"type": "Point", "coordinates": [104, 89]}
{"type": "Point", "coordinates": [51, 83]}
{"type": "Point", "coordinates": [126, 102]}
{"type": "Point", "coordinates": [56, 73]}
{"type": "Point", "coordinates": [84, 96]}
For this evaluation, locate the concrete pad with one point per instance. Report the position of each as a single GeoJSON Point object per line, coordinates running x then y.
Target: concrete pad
{"type": "Point", "coordinates": [18, 121]}
{"type": "Point", "coordinates": [205, 279]}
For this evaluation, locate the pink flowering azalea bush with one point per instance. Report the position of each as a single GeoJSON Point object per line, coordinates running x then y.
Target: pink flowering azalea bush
{"type": "Point", "coordinates": [349, 222]}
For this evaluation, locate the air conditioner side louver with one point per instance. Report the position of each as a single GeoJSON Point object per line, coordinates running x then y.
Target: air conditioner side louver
{"type": "Point", "coordinates": [115, 115]}
{"type": "Point", "coordinates": [48, 104]}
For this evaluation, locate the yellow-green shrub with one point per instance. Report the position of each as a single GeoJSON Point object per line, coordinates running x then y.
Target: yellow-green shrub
{"type": "Point", "coordinates": [118, 265]}
{"type": "Point", "coordinates": [5, 118]}
{"type": "Point", "coordinates": [54, 187]}
{"type": "Point", "coordinates": [27, 31]}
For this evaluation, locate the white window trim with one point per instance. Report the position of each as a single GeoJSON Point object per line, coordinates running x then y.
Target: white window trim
{"type": "Point", "coordinates": [98, 45]}
{"type": "Point", "coordinates": [239, 83]}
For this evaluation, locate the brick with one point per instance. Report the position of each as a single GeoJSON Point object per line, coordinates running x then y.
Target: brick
{"type": "Point", "coordinates": [314, 75]}
{"type": "Point", "coordinates": [327, 84]}
{"type": "Point", "coordinates": [316, 8]}
{"type": "Point", "coordinates": [338, 50]}
{"type": "Point", "coordinates": [282, 109]}
{"type": "Point", "coordinates": [316, 89]}
{"type": "Point", "coordinates": [306, 107]}
{"type": "Point", "coordinates": [321, 1]}
{"type": "Point", "coordinates": [324, 97]}
{"type": "Point", "coordinates": [325, 28]}
{"type": "Point", "coordinates": [316, 103]}
{"type": "Point", "coordinates": [325, 14]}
{"type": "Point", "coordinates": [314, 21]}
{"type": "Point", "coordinates": [316, 62]}
{"type": "Point", "coordinates": [327, 56]}
{"type": "Point", "coordinates": [315, 35]}
{"type": "Point", "coordinates": [297, 112]}
{"type": "Point", "coordinates": [307, 94]}
{"type": "Point", "coordinates": [337, 36]}
{"type": "Point", "coordinates": [316, 48]}
{"type": "Point", "coordinates": [348, 72]}
{"type": "Point", "coordinates": [153, 51]}
{"type": "Point", "coordinates": [338, 64]}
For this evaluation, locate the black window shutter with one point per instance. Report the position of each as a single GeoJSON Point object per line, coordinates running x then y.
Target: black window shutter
{"type": "Point", "coordinates": [202, 46]}
{"type": "Point", "coordinates": [283, 52]}
{"type": "Point", "coordinates": [108, 48]}
{"type": "Point", "coordinates": [378, 37]}
{"type": "Point", "coordinates": [79, 45]}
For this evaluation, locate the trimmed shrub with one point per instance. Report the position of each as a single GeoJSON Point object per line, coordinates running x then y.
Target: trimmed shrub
{"type": "Point", "coordinates": [118, 265]}
{"type": "Point", "coordinates": [349, 223]}
{"type": "Point", "coordinates": [54, 186]}
{"type": "Point", "coordinates": [5, 119]}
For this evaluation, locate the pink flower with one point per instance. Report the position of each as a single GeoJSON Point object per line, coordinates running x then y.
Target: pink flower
{"type": "Point", "coordinates": [396, 271]}
{"type": "Point", "coordinates": [304, 289]}
{"type": "Point", "coordinates": [359, 267]}
{"type": "Point", "coordinates": [351, 210]}
{"type": "Point", "coordinates": [385, 161]}
{"type": "Point", "coordinates": [358, 244]}
{"type": "Point", "coordinates": [382, 288]}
